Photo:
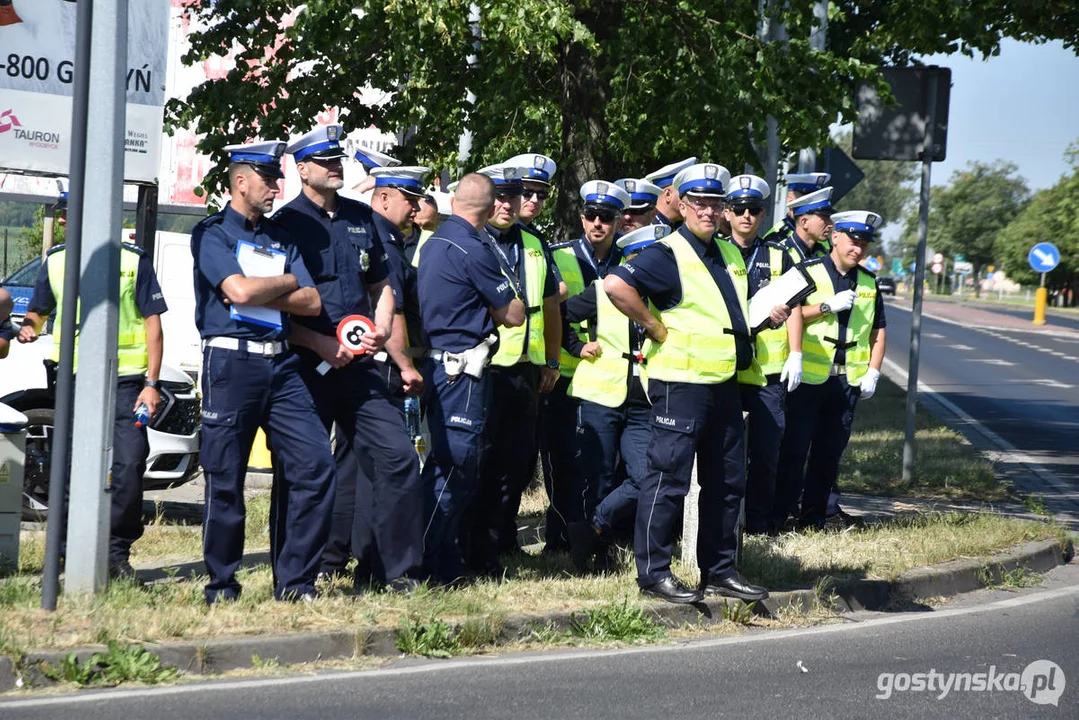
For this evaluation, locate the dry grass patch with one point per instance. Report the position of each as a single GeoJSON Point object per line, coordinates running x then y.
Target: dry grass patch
{"type": "Point", "coordinates": [948, 466]}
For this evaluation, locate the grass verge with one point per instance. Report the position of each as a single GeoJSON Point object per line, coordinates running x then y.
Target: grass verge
{"type": "Point", "coordinates": [948, 466]}
{"type": "Point", "coordinates": [473, 617]}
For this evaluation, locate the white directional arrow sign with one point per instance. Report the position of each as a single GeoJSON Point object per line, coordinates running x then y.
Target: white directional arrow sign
{"type": "Point", "coordinates": [1043, 257]}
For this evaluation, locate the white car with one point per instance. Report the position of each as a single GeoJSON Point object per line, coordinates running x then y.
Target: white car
{"type": "Point", "coordinates": [173, 433]}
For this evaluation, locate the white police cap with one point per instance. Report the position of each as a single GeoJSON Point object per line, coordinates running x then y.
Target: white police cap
{"type": "Point", "coordinates": [702, 179]}
{"type": "Point", "coordinates": [665, 175]}
{"type": "Point", "coordinates": [642, 193]}
{"type": "Point", "coordinates": [322, 143]}
{"type": "Point", "coordinates": [264, 157]}
{"type": "Point", "coordinates": [806, 182]}
{"type": "Point", "coordinates": [537, 168]}
{"type": "Point", "coordinates": [819, 202]}
{"type": "Point", "coordinates": [601, 192]}
{"type": "Point", "coordinates": [374, 159]}
{"type": "Point", "coordinates": [442, 199]}
{"type": "Point", "coordinates": [506, 176]}
{"type": "Point", "coordinates": [642, 237]}
{"type": "Point", "coordinates": [747, 187]}
{"type": "Point", "coordinates": [859, 224]}
{"type": "Point", "coordinates": [408, 179]}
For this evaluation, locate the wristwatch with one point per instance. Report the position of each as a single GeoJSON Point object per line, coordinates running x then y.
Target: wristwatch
{"type": "Point", "coordinates": [553, 364]}
{"type": "Point", "coordinates": [825, 308]}
{"type": "Point", "coordinates": [155, 384]}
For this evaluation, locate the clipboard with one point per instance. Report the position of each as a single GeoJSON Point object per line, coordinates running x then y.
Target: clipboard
{"type": "Point", "coordinates": [791, 288]}
{"type": "Point", "coordinates": [258, 261]}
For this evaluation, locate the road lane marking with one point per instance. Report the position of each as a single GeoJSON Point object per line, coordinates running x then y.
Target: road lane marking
{"type": "Point", "coordinates": [480, 663]}
{"type": "Point", "coordinates": [1046, 382]}
{"type": "Point", "coordinates": [935, 336]}
{"type": "Point", "coordinates": [991, 361]}
{"type": "Point", "coordinates": [961, 347]}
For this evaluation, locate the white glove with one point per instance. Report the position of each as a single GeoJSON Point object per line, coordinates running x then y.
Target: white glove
{"type": "Point", "coordinates": [869, 383]}
{"type": "Point", "coordinates": [792, 371]}
{"type": "Point", "coordinates": [840, 301]}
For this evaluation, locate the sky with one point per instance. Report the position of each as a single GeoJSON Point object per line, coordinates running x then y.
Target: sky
{"type": "Point", "coordinates": [1021, 106]}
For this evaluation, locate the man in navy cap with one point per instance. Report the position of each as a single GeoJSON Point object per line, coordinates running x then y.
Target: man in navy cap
{"type": "Point", "coordinates": [764, 385]}
{"type": "Point", "coordinates": [668, 205]}
{"type": "Point", "coordinates": [700, 340]}
{"type": "Point", "coordinates": [526, 364]}
{"type": "Point", "coordinates": [463, 296]}
{"type": "Point", "coordinates": [378, 505]}
{"type": "Point", "coordinates": [810, 216]}
{"type": "Point", "coordinates": [642, 209]}
{"type": "Point", "coordinates": [249, 278]}
{"type": "Point", "coordinates": [843, 349]}
{"type": "Point", "coordinates": [538, 171]}
{"type": "Point", "coordinates": [581, 261]}
{"type": "Point", "coordinates": [798, 184]}
{"type": "Point", "coordinates": [615, 414]}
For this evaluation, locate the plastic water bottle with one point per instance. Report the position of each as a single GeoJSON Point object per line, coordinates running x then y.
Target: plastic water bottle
{"type": "Point", "coordinates": [142, 415]}
{"type": "Point", "coordinates": [412, 423]}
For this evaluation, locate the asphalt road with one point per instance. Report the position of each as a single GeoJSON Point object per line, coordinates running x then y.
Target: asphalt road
{"type": "Point", "coordinates": [1022, 386]}
{"type": "Point", "coordinates": [1058, 319]}
{"type": "Point", "coordinates": [867, 667]}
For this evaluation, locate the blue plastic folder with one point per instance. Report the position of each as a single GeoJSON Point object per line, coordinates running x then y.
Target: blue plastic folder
{"type": "Point", "coordinates": [258, 261]}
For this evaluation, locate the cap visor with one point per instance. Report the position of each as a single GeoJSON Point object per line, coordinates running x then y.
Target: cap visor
{"type": "Point", "coordinates": [331, 154]}
{"type": "Point", "coordinates": [411, 192]}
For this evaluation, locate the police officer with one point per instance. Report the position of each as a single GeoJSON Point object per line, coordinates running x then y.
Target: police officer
{"type": "Point", "coordinates": [699, 341]}
{"type": "Point", "coordinates": [138, 356]}
{"type": "Point", "coordinates": [763, 386]}
{"type": "Point", "coordinates": [615, 414]}
{"type": "Point", "coordinates": [463, 296]}
{"type": "Point", "coordinates": [539, 170]}
{"type": "Point", "coordinates": [810, 216]}
{"type": "Point", "coordinates": [526, 364]}
{"type": "Point", "coordinates": [642, 209]}
{"type": "Point", "coordinates": [248, 279]}
{"type": "Point", "coordinates": [7, 330]}
{"type": "Point", "coordinates": [843, 348]}
{"type": "Point", "coordinates": [338, 241]}
{"type": "Point", "coordinates": [582, 261]}
{"type": "Point", "coordinates": [369, 159]}
{"type": "Point", "coordinates": [667, 205]}
{"type": "Point", "coordinates": [798, 184]}
{"type": "Point", "coordinates": [427, 220]}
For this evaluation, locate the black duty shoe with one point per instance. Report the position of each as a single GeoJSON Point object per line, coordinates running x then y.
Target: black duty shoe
{"type": "Point", "coordinates": [735, 586]}
{"type": "Point", "coordinates": [120, 569]}
{"type": "Point", "coordinates": [582, 539]}
{"type": "Point", "coordinates": [403, 585]}
{"type": "Point", "coordinates": [842, 520]}
{"type": "Point", "coordinates": [673, 590]}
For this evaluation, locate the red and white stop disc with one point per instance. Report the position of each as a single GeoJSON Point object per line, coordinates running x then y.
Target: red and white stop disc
{"type": "Point", "coordinates": [350, 332]}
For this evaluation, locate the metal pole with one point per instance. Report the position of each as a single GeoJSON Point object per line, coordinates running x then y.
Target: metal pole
{"type": "Point", "coordinates": [65, 379]}
{"type": "Point", "coordinates": [95, 396]}
{"type": "Point", "coordinates": [919, 277]}
{"type": "Point", "coordinates": [807, 158]}
{"type": "Point", "coordinates": [146, 219]}
{"type": "Point", "coordinates": [5, 252]}
{"type": "Point", "coordinates": [770, 31]}
{"type": "Point", "coordinates": [464, 143]}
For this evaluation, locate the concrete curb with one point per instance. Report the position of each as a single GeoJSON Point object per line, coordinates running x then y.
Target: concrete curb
{"type": "Point", "coordinates": [218, 655]}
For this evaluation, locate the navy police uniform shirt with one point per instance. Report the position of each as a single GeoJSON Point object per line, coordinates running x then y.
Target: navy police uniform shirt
{"type": "Point", "coordinates": [849, 281]}
{"type": "Point", "coordinates": [799, 245]}
{"type": "Point", "coordinates": [759, 262]}
{"type": "Point", "coordinates": [148, 297]}
{"type": "Point", "coordinates": [342, 252]}
{"type": "Point", "coordinates": [512, 247]}
{"type": "Point", "coordinates": [213, 246]}
{"type": "Point", "coordinates": [654, 274]}
{"type": "Point", "coordinates": [591, 268]}
{"type": "Point", "coordinates": [402, 277]}
{"type": "Point", "coordinates": [459, 279]}
{"type": "Point", "coordinates": [7, 330]}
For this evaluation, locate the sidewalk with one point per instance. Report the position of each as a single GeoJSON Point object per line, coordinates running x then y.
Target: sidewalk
{"type": "Point", "coordinates": [958, 312]}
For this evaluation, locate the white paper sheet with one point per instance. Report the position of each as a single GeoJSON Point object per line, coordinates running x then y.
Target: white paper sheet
{"type": "Point", "coordinates": [258, 261]}
{"type": "Point", "coordinates": [791, 287]}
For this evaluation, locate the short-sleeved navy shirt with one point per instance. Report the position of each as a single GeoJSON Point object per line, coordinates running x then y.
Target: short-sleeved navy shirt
{"type": "Point", "coordinates": [512, 246]}
{"type": "Point", "coordinates": [213, 246]}
{"type": "Point", "coordinates": [849, 281]}
{"type": "Point", "coordinates": [7, 330]}
{"type": "Point", "coordinates": [591, 268]}
{"type": "Point", "coordinates": [654, 274]}
{"type": "Point", "coordinates": [799, 245]}
{"type": "Point", "coordinates": [342, 252]}
{"type": "Point", "coordinates": [148, 297]}
{"type": "Point", "coordinates": [402, 275]}
{"type": "Point", "coordinates": [459, 279]}
{"type": "Point", "coordinates": [759, 262]}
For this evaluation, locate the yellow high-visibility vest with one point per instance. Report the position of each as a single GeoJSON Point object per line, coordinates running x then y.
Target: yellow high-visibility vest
{"type": "Point", "coordinates": [604, 380]}
{"type": "Point", "coordinates": [526, 341]}
{"type": "Point", "coordinates": [570, 268]}
{"type": "Point", "coordinates": [819, 338]}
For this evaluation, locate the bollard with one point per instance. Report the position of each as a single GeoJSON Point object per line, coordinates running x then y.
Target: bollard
{"type": "Point", "coordinates": [1040, 298]}
{"type": "Point", "coordinates": [12, 459]}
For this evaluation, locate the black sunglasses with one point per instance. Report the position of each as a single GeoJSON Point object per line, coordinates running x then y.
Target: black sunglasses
{"type": "Point", "coordinates": [540, 194]}
{"type": "Point", "coordinates": [639, 210]}
{"type": "Point", "coordinates": [603, 215]}
{"type": "Point", "coordinates": [754, 210]}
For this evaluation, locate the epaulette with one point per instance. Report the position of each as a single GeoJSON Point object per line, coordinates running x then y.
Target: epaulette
{"type": "Point", "coordinates": [55, 248]}
{"type": "Point", "coordinates": [135, 249]}
{"type": "Point", "coordinates": [210, 220]}
{"type": "Point", "coordinates": [562, 244]}
{"type": "Point", "coordinates": [778, 245]}
{"type": "Point", "coordinates": [814, 261]}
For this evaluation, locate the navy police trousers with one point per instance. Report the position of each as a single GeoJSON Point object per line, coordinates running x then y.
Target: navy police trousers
{"type": "Point", "coordinates": [767, 420]}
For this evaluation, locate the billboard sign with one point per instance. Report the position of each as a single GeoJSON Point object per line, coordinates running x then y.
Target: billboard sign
{"type": "Point", "coordinates": [37, 82]}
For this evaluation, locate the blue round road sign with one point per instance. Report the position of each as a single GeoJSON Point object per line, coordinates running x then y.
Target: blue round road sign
{"type": "Point", "coordinates": [872, 264]}
{"type": "Point", "coordinates": [1043, 257]}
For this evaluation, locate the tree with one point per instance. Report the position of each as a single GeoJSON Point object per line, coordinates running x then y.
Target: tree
{"type": "Point", "coordinates": [967, 216]}
{"type": "Point", "coordinates": [607, 88]}
{"type": "Point", "coordinates": [1051, 216]}
{"type": "Point", "coordinates": [887, 188]}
